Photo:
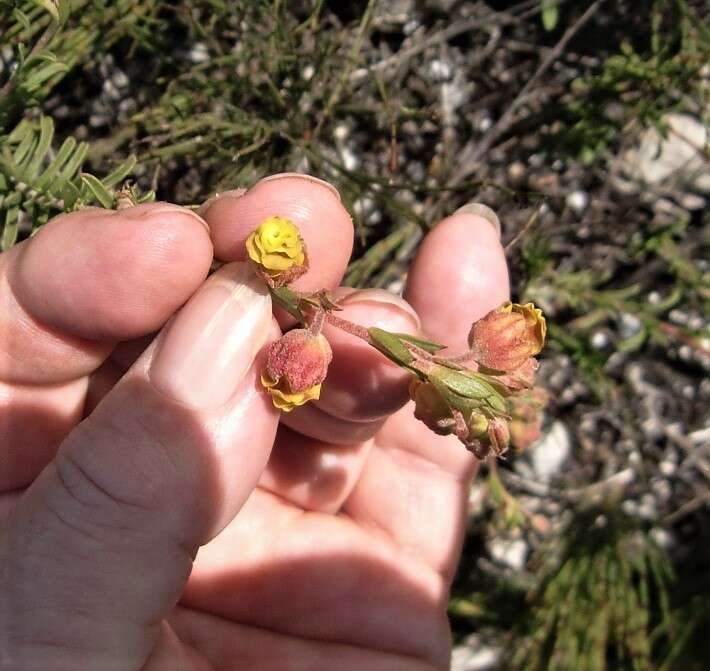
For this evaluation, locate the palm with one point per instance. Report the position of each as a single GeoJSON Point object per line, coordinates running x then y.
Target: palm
{"type": "Point", "coordinates": [317, 567]}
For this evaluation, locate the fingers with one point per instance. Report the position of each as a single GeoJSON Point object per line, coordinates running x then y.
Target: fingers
{"type": "Point", "coordinates": [99, 547]}
{"type": "Point", "coordinates": [414, 484]}
{"type": "Point", "coordinates": [67, 294]}
{"type": "Point", "coordinates": [313, 205]}
{"type": "Point", "coordinates": [95, 275]}
{"type": "Point", "coordinates": [459, 275]}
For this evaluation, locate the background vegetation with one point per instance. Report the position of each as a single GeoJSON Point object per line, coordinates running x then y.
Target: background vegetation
{"type": "Point", "coordinates": [590, 550]}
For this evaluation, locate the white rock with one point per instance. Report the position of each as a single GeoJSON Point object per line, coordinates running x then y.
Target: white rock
{"type": "Point", "coordinates": [440, 70]}
{"type": "Point", "coordinates": [662, 537]}
{"type": "Point", "coordinates": [474, 655]}
{"type": "Point", "coordinates": [199, 53]}
{"type": "Point", "coordinates": [629, 325]}
{"type": "Point", "coordinates": [511, 552]}
{"type": "Point", "coordinates": [577, 201]}
{"type": "Point", "coordinates": [658, 158]}
{"type": "Point", "coordinates": [599, 340]}
{"type": "Point", "coordinates": [667, 467]}
{"type": "Point", "coordinates": [551, 451]}
{"type": "Point", "coordinates": [308, 72]}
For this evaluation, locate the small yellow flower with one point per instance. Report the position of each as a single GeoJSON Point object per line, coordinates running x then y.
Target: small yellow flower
{"type": "Point", "coordinates": [286, 400]}
{"type": "Point", "coordinates": [277, 250]}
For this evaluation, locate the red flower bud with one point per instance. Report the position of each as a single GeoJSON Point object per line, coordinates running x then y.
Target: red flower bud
{"type": "Point", "coordinates": [498, 435]}
{"type": "Point", "coordinates": [506, 337]}
{"type": "Point", "coordinates": [296, 365]}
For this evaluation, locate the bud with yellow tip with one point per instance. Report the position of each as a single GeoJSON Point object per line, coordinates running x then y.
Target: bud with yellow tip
{"type": "Point", "coordinates": [508, 336]}
{"type": "Point", "coordinates": [296, 365]}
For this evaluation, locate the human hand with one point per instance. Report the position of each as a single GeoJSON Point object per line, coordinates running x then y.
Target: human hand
{"type": "Point", "coordinates": [347, 532]}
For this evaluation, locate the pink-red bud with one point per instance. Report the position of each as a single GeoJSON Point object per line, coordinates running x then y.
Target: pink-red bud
{"type": "Point", "coordinates": [296, 365]}
{"type": "Point", "coordinates": [506, 337]}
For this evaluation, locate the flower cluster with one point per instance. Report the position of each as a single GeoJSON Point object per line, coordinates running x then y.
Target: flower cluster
{"type": "Point", "coordinates": [484, 397]}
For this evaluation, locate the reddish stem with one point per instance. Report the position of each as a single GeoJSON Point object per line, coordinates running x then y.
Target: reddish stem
{"type": "Point", "coordinates": [347, 326]}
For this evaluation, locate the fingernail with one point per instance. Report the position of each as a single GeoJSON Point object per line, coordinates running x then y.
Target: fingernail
{"type": "Point", "coordinates": [213, 340]}
{"type": "Point", "coordinates": [381, 297]}
{"type": "Point", "coordinates": [481, 210]}
{"type": "Point", "coordinates": [149, 210]}
{"type": "Point", "coordinates": [232, 193]}
{"type": "Point", "coordinates": [303, 176]}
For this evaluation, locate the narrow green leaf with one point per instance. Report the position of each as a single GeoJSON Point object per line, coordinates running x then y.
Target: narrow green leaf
{"type": "Point", "coordinates": [52, 6]}
{"type": "Point", "coordinates": [391, 346]}
{"type": "Point", "coordinates": [72, 166]}
{"type": "Point", "coordinates": [426, 345]}
{"type": "Point", "coordinates": [48, 179]}
{"type": "Point", "coordinates": [27, 140]}
{"type": "Point", "coordinates": [46, 133]}
{"type": "Point", "coordinates": [40, 76]}
{"type": "Point", "coordinates": [22, 18]}
{"type": "Point", "coordinates": [147, 197]}
{"type": "Point", "coordinates": [634, 342]}
{"type": "Point", "coordinates": [20, 132]}
{"type": "Point", "coordinates": [99, 191]}
{"type": "Point", "coordinates": [10, 228]}
{"type": "Point", "coordinates": [550, 14]}
{"type": "Point", "coordinates": [120, 173]}
{"type": "Point", "coordinates": [69, 193]}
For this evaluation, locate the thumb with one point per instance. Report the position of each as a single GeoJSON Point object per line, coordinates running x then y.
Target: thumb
{"type": "Point", "coordinates": [99, 548]}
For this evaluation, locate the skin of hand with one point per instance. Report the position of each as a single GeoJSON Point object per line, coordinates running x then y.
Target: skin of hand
{"type": "Point", "coordinates": [134, 432]}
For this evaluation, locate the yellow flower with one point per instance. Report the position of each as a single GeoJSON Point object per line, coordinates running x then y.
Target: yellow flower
{"type": "Point", "coordinates": [286, 400]}
{"type": "Point", "coordinates": [277, 250]}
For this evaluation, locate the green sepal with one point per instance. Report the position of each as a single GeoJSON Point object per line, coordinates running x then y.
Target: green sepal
{"type": "Point", "coordinates": [288, 300]}
{"type": "Point", "coordinates": [470, 386]}
{"type": "Point", "coordinates": [391, 345]}
{"type": "Point", "coordinates": [426, 345]}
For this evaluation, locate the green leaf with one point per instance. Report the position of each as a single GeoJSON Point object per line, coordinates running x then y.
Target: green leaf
{"type": "Point", "coordinates": [74, 163]}
{"type": "Point", "coordinates": [46, 133]}
{"type": "Point", "coordinates": [634, 342]}
{"type": "Point", "coordinates": [550, 14]}
{"type": "Point", "coordinates": [22, 18]}
{"type": "Point", "coordinates": [391, 346]}
{"type": "Point", "coordinates": [97, 189]}
{"type": "Point", "coordinates": [289, 301]}
{"type": "Point", "coordinates": [9, 231]}
{"type": "Point", "coordinates": [40, 76]}
{"type": "Point", "coordinates": [426, 345]}
{"type": "Point", "coordinates": [59, 9]}
{"type": "Point", "coordinates": [120, 173]}
{"type": "Point", "coordinates": [48, 179]}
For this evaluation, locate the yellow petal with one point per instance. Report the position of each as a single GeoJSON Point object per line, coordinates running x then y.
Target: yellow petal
{"type": "Point", "coordinates": [276, 246]}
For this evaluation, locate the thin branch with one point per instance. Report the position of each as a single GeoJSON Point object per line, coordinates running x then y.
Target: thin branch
{"type": "Point", "coordinates": [532, 221]}
{"type": "Point", "coordinates": [472, 154]}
